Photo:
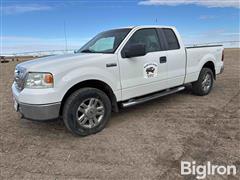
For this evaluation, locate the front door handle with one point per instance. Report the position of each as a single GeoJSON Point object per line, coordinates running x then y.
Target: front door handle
{"type": "Point", "coordinates": [111, 64]}
{"type": "Point", "coordinates": [163, 59]}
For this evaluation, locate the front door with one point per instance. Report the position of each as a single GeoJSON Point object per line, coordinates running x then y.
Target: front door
{"type": "Point", "coordinates": [144, 74]}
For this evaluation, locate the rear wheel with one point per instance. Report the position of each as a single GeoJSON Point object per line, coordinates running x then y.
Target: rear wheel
{"type": "Point", "coordinates": [203, 85]}
{"type": "Point", "coordinates": [86, 111]}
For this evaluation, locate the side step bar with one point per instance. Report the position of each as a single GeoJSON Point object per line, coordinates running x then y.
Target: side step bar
{"type": "Point", "coordinates": [151, 97]}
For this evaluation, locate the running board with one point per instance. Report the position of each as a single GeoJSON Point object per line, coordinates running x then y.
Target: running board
{"type": "Point", "coordinates": [151, 97]}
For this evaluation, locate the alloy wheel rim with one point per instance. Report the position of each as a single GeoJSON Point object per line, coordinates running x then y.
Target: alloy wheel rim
{"type": "Point", "coordinates": [207, 82]}
{"type": "Point", "coordinates": [90, 113]}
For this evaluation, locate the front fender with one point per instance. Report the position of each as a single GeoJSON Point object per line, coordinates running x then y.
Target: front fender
{"type": "Point", "coordinates": [90, 73]}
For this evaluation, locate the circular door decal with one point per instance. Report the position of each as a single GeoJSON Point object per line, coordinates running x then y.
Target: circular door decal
{"type": "Point", "coordinates": [150, 70]}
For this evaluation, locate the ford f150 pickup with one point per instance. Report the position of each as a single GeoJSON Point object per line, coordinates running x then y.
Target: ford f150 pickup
{"type": "Point", "coordinates": [117, 68]}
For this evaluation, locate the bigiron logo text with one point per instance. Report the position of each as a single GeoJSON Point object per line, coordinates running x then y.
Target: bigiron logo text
{"type": "Point", "coordinates": [202, 171]}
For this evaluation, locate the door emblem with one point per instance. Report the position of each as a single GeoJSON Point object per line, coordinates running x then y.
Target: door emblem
{"type": "Point", "coordinates": [150, 70]}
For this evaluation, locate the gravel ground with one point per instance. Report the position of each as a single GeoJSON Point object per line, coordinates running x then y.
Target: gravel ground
{"type": "Point", "coordinates": [147, 141]}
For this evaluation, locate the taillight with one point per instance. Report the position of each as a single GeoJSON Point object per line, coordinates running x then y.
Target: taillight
{"type": "Point", "coordinates": [223, 55]}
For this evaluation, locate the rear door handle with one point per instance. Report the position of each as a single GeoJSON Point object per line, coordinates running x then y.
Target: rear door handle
{"type": "Point", "coordinates": [163, 59]}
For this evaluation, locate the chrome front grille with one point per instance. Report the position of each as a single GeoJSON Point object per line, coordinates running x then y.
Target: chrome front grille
{"type": "Point", "coordinates": [19, 77]}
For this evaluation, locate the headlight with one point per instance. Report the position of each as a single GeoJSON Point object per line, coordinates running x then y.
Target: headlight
{"type": "Point", "coordinates": [39, 80]}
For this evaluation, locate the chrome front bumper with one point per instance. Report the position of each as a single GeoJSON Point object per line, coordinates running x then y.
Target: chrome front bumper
{"type": "Point", "coordinates": [34, 111]}
{"type": "Point", "coordinates": [39, 112]}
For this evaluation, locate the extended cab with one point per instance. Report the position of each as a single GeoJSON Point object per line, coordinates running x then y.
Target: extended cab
{"type": "Point", "coordinates": [117, 68]}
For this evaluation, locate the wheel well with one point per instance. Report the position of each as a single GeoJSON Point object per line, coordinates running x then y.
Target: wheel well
{"type": "Point", "coordinates": [211, 66]}
{"type": "Point", "coordinates": [94, 84]}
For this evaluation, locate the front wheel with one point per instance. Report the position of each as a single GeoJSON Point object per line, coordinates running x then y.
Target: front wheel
{"type": "Point", "coordinates": [86, 111]}
{"type": "Point", "coordinates": [204, 84]}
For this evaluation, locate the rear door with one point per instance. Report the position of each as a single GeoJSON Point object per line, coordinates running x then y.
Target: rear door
{"type": "Point", "coordinates": [144, 74]}
{"type": "Point", "coordinates": [176, 56]}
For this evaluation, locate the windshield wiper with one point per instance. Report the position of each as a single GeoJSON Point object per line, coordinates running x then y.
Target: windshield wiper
{"type": "Point", "coordinates": [87, 51]}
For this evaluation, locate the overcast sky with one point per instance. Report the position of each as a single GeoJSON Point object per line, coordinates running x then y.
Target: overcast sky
{"type": "Point", "coordinates": [31, 25]}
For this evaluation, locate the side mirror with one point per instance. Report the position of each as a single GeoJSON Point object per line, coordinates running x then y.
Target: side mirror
{"type": "Point", "coordinates": [75, 51]}
{"type": "Point", "coordinates": [134, 50]}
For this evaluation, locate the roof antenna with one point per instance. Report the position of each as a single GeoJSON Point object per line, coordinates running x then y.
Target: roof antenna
{"type": "Point", "coordinates": [156, 21]}
{"type": "Point", "coordinates": [65, 34]}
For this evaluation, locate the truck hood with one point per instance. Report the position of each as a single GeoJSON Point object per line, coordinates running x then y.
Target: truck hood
{"type": "Point", "coordinates": [70, 61]}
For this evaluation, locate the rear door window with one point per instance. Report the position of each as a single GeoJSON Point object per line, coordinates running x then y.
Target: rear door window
{"type": "Point", "coordinates": [171, 38]}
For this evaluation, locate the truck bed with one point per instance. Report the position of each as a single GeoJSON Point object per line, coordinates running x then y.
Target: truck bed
{"type": "Point", "coordinates": [197, 55]}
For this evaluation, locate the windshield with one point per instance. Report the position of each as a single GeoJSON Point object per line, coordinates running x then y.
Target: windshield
{"type": "Point", "coordinates": [105, 42]}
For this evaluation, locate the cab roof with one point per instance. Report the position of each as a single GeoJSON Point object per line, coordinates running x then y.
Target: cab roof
{"type": "Point", "coordinates": [146, 26]}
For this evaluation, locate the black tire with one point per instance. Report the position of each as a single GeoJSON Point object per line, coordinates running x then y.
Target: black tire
{"type": "Point", "coordinates": [71, 110]}
{"type": "Point", "coordinates": [198, 87]}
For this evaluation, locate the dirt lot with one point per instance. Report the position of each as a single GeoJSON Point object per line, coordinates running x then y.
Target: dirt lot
{"type": "Point", "coordinates": [147, 141]}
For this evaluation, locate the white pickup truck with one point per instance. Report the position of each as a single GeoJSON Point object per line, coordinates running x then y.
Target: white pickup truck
{"type": "Point", "coordinates": [117, 68]}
